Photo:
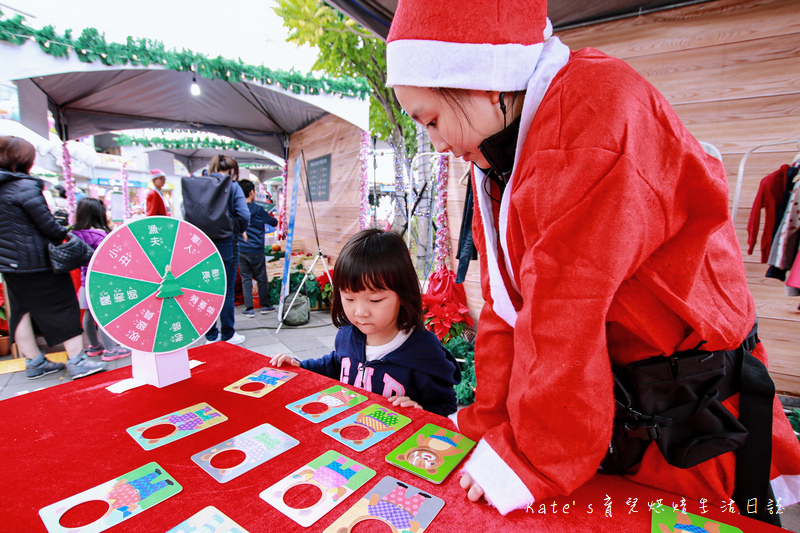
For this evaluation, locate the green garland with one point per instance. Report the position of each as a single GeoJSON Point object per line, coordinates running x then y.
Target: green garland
{"type": "Point", "coordinates": [91, 47]}
{"type": "Point", "coordinates": [186, 143]}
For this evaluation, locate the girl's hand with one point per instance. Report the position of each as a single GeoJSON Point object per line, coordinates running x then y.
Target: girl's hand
{"type": "Point", "coordinates": [244, 236]}
{"type": "Point", "coordinates": [474, 491]}
{"type": "Point", "coordinates": [278, 360]}
{"type": "Point", "coordinates": [404, 401]}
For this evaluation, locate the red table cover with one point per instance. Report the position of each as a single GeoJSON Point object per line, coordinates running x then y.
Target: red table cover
{"type": "Point", "coordinates": [66, 439]}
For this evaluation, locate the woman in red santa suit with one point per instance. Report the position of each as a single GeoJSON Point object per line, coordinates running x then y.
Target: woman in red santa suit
{"type": "Point", "coordinates": [609, 265]}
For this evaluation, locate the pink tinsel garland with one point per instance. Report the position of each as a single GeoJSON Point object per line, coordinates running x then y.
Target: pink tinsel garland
{"type": "Point", "coordinates": [282, 229]}
{"type": "Point", "coordinates": [125, 195]}
{"type": "Point", "coordinates": [363, 213]}
{"type": "Point", "coordinates": [442, 231]}
{"type": "Point", "coordinates": [69, 180]}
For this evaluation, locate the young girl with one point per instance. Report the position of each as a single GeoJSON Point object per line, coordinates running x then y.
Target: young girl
{"type": "Point", "coordinates": [91, 225]}
{"type": "Point", "coordinates": [605, 243]}
{"type": "Point", "coordinates": [382, 345]}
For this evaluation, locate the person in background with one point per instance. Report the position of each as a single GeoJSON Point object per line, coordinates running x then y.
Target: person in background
{"type": "Point", "coordinates": [155, 199]}
{"type": "Point", "coordinates": [35, 293]}
{"type": "Point", "coordinates": [252, 261]}
{"type": "Point", "coordinates": [92, 227]}
{"type": "Point", "coordinates": [60, 207]}
{"type": "Point", "coordinates": [240, 214]}
{"type": "Point", "coordinates": [382, 345]}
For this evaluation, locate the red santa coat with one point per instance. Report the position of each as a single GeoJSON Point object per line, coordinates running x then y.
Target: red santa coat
{"type": "Point", "coordinates": [155, 204]}
{"type": "Point", "coordinates": [618, 237]}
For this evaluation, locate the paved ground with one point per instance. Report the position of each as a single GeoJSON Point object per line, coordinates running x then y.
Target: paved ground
{"type": "Point", "coordinates": [304, 342]}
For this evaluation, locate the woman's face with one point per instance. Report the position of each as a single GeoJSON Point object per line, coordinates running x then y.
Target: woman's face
{"type": "Point", "coordinates": [448, 126]}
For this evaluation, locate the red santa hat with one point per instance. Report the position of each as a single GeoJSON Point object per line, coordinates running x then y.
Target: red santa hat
{"type": "Point", "coordinates": [469, 44]}
{"type": "Point", "coordinates": [156, 173]}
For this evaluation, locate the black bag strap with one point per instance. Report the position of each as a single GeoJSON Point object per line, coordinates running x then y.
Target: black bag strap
{"type": "Point", "coordinates": [754, 458]}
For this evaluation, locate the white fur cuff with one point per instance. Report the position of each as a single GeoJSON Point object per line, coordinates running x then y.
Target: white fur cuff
{"type": "Point", "coordinates": [501, 486]}
{"type": "Point", "coordinates": [454, 419]}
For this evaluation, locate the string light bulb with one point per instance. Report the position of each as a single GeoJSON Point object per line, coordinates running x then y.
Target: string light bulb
{"type": "Point", "coordinates": [195, 90]}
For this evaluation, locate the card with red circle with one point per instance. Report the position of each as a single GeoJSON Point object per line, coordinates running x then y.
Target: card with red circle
{"type": "Point", "coordinates": [367, 427]}
{"type": "Point", "coordinates": [261, 382]}
{"type": "Point", "coordinates": [309, 493]}
{"type": "Point", "coordinates": [174, 426]}
{"type": "Point", "coordinates": [401, 506]}
{"type": "Point", "coordinates": [232, 458]}
{"type": "Point", "coordinates": [327, 403]}
{"type": "Point", "coordinates": [110, 503]}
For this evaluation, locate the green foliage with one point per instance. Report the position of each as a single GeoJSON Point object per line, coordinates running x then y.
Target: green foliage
{"type": "Point", "coordinates": [794, 419]}
{"type": "Point", "coordinates": [464, 350]}
{"type": "Point", "coordinates": [92, 47]}
{"type": "Point", "coordinates": [346, 49]}
{"type": "Point", "coordinates": [310, 289]}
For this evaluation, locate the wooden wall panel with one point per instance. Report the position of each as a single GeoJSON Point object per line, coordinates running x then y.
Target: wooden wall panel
{"type": "Point", "coordinates": [337, 218]}
{"type": "Point", "coordinates": [730, 70]}
{"type": "Point", "coordinates": [456, 193]}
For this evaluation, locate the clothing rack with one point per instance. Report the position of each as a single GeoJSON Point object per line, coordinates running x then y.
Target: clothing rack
{"type": "Point", "coordinates": [740, 175]}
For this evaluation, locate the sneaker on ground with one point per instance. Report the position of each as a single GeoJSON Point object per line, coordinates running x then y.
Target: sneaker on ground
{"type": "Point", "coordinates": [236, 339]}
{"type": "Point", "coordinates": [81, 366]}
{"type": "Point", "coordinates": [41, 366]}
{"type": "Point", "coordinates": [94, 351]}
{"type": "Point", "coordinates": [209, 341]}
{"type": "Point", "coordinates": [249, 312]}
{"type": "Point", "coordinates": [117, 353]}
{"type": "Point", "coordinates": [267, 309]}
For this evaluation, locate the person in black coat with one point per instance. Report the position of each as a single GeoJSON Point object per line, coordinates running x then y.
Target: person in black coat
{"type": "Point", "coordinates": [35, 293]}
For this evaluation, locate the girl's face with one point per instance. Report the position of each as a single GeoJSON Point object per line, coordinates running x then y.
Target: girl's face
{"type": "Point", "coordinates": [447, 126]}
{"type": "Point", "coordinates": [373, 312]}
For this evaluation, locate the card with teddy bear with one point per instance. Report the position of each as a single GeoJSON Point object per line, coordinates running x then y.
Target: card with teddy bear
{"type": "Point", "coordinates": [431, 453]}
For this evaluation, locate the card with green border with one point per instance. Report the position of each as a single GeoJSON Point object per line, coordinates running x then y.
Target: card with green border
{"type": "Point", "coordinates": [667, 520]}
{"type": "Point", "coordinates": [125, 496]}
{"type": "Point", "coordinates": [431, 453]}
{"type": "Point", "coordinates": [367, 427]}
{"type": "Point", "coordinates": [327, 403]}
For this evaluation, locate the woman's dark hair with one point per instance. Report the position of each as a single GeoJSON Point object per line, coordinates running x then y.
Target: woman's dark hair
{"type": "Point", "coordinates": [374, 259]}
{"type": "Point", "coordinates": [247, 186]}
{"type": "Point", "coordinates": [16, 155]}
{"type": "Point", "coordinates": [91, 214]}
{"type": "Point", "coordinates": [224, 162]}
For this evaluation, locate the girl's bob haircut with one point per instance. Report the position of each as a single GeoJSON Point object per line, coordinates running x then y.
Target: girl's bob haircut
{"type": "Point", "coordinates": [374, 259]}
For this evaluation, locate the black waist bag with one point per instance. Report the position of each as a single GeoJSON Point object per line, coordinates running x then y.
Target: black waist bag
{"type": "Point", "coordinates": [674, 401]}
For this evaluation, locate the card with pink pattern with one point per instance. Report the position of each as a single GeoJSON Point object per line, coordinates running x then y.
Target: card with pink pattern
{"type": "Point", "coordinates": [310, 492]}
{"type": "Point", "coordinates": [116, 501]}
{"type": "Point", "coordinates": [174, 426]}
{"type": "Point", "coordinates": [261, 382]}
{"type": "Point", "coordinates": [401, 506]}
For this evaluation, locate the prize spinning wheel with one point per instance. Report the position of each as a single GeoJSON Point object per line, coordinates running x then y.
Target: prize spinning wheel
{"type": "Point", "coordinates": [156, 284]}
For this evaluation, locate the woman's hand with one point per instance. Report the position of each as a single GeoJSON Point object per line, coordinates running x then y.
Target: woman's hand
{"type": "Point", "coordinates": [404, 401]}
{"type": "Point", "coordinates": [474, 491]}
{"type": "Point", "coordinates": [278, 360]}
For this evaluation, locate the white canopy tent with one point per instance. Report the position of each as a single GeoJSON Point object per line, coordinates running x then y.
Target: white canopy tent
{"type": "Point", "coordinates": [90, 98]}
